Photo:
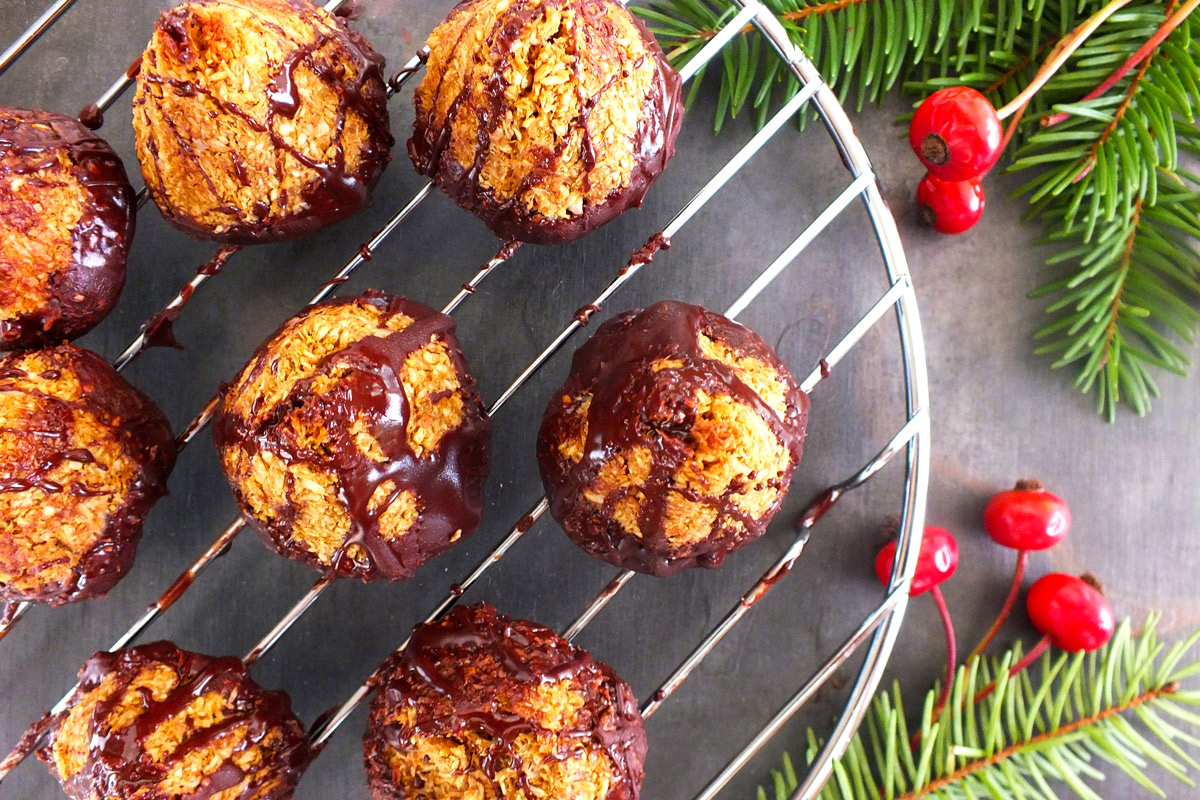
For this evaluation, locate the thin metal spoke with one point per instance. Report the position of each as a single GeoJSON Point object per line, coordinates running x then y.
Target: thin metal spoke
{"type": "Point", "coordinates": [601, 600]}
{"type": "Point", "coordinates": [35, 29]}
{"type": "Point", "coordinates": [847, 342]}
{"type": "Point", "coordinates": [718, 41]}
{"type": "Point", "coordinates": [640, 259]}
{"type": "Point", "coordinates": [209, 270]}
{"type": "Point", "coordinates": [856, 188]}
{"type": "Point", "coordinates": [843, 654]}
{"type": "Point", "coordinates": [817, 509]}
{"type": "Point", "coordinates": [12, 615]}
{"type": "Point", "coordinates": [326, 727]}
{"type": "Point", "coordinates": [281, 627]}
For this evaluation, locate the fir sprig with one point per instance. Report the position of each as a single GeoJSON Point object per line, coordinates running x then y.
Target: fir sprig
{"type": "Point", "coordinates": [1118, 204]}
{"type": "Point", "coordinates": [1123, 706]}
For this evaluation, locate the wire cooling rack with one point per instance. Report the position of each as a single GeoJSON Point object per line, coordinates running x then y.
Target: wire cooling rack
{"type": "Point", "coordinates": [877, 632]}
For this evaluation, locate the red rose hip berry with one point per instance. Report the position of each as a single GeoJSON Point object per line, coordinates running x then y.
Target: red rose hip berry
{"type": "Point", "coordinates": [956, 133]}
{"type": "Point", "coordinates": [1027, 517]}
{"type": "Point", "coordinates": [936, 563]}
{"type": "Point", "coordinates": [1070, 612]}
{"type": "Point", "coordinates": [950, 206]}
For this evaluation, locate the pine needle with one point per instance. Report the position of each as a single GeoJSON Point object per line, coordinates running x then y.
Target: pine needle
{"type": "Point", "coordinates": [1033, 738]}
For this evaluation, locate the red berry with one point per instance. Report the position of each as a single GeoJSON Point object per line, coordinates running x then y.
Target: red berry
{"type": "Point", "coordinates": [1027, 518]}
{"type": "Point", "coordinates": [1070, 611]}
{"type": "Point", "coordinates": [956, 134]}
{"type": "Point", "coordinates": [950, 206]}
{"type": "Point", "coordinates": [937, 562]}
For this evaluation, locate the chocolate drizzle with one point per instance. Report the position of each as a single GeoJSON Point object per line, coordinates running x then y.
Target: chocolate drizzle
{"type": "Point", "coordinates": [117, 763]}
{"type": "Point", "coordinates": [478, 672]}
{"type": "Point", "coordinates": [337, 191]}
{"type": "Point", "coordinates": [135, 423]}
{"type": "Point", "coordinates": [85, 290]}
{"type": "Point", "coordinates": [448, 482]}
{"type": "Point", "coordinates": [159, 330]}
{"type": "Point", "coordinates": [636, 405]}
{"type": "Point", "coordinates": [661, 117]}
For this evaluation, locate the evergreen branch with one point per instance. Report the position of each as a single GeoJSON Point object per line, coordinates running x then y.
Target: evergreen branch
{"type": "Point", "coordinates": [1079, 713]}
{"type": "Point", "coordinates": [1108, 188]}
{"type": "Point", "coordinates": [1105, 182]}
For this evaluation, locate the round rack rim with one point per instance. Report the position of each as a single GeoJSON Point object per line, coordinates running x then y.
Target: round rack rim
{"type": "Point", "coordinates": [879, 630]}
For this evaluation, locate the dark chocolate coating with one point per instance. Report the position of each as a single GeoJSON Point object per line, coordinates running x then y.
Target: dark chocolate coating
{"type": "Point", "coordinates": [453, 674]}
{"type": "Point", "coordinates": [117, 766]}
{"type": "Point", "coordinates": [634, 405]}
{"type": "Point", "coordinates": [448, 482]}
{"type": "Point", "coordinates": [658, 127]}
{"type": "Point", "coordinates": [145, 434]}
{"type": "Point", "coordinates": [340, 192]}
{"type": "Point", "coordinates": [88, 288]}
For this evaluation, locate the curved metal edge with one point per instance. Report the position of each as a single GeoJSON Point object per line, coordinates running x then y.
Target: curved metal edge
{"type": "Point", "coordinates": [916, 378]}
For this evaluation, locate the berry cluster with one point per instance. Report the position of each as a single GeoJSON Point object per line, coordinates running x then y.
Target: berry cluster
{"type": "Point", "coordinates": [958, 137]}
{"type": "Point", "coordinates": [1070, 612]}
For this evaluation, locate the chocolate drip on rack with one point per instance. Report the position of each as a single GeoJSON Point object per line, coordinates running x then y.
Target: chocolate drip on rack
{"type": "Point", "coordinates": [641, 371]}
{"type": "Point", "coordinates": [117, 760]}
{"type": "Point", "coordinates": [448, 481]}
{"type": "Point", "coordinates": [339, 190]}
{"type": "Point", "coordinates": [135, 423]}
{"type": "Point", "coordinates": [159, 330]}
{"type": "Point", "coordinates": [660, 118]}
{"type": "Point", "coordinates": [472, 673]}
{"type": "Point", "coordinates": [86, 289]}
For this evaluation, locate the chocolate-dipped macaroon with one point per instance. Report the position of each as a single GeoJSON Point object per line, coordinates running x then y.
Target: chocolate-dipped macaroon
{"type": "Point", "coordinates": [158, 722]}
{"type": "Point", "coordinates": [546, 118]}
{"type": "Point", "coordinates": [673, 440]}
{"type": "Point", "coordinates": [480, 705]}
{"type": "Point", "coordinates": [83, 457]}
{"type": "Point", "coordinates": [356, 440]}
{"type": "Point", "coordinates": [259, 120]}
{"type": "Point", "coordinates": [66, 224]}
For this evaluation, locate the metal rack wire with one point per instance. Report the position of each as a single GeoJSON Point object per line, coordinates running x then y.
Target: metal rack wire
{"type": "Point", "coordinates": [879, 629]}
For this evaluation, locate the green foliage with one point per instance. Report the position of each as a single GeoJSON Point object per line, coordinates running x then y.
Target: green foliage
{"type": "Point", "coordinates": [1076, 717]}
{"type": "Point", "coordinates": [1111, 185]}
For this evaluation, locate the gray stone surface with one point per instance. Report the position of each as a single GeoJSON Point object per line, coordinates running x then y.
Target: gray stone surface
{"type": "Point", "coordinates": [999, 413]}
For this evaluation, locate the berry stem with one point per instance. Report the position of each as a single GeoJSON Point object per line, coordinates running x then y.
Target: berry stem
{"type": "Point", "coordinates": [951, 660]}
{"type": "Point", "coordinates": [1170, 24]}
{"type": "Point", "coordinates": [1059, 55]}
{"type": "Point", "coordinates": [1014, 590]}
{"type": "Point", "coordinates": [1033, 655]}
{"type": "Point", "coordinates": [1009, 131]}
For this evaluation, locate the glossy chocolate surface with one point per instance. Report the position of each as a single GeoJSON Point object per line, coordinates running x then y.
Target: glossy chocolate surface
{"type": "Point", "coordinates": [87, 289]}
{"type": "Point", "coordinates": [340, 191]}
{"type": "Point", "coordinates": [448, 481]}
{"type": "Point", "coordinates": [117, 765]}
{"type": "Point", "coordinates": [440, 677]}
{"type": "Point", "coordinates": [658, 127]}
{"type": "Point", "coordinates": [634, 405]}
{"type": "Point", "coordinates": [145, 435]}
